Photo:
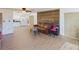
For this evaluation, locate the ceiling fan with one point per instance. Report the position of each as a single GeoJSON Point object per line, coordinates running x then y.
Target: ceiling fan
{"type": "Point", "coordinates": [26, 10]}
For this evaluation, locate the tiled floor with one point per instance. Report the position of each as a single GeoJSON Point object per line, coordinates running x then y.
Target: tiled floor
{"type": "Point", "coordinates": [22, 39]}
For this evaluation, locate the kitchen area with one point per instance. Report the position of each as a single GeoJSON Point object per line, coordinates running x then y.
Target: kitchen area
{"type": "Point", "coordinates": [20, 19]}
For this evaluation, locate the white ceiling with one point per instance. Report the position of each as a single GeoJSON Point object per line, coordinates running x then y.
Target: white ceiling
{"type": "Point", "coordinates": [43, 9]}
{"type": "Point", "coordinates": [35, 9]}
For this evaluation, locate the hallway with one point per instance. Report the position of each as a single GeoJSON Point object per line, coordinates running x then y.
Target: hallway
{"type": "Point", "coordinates": [22, 39]}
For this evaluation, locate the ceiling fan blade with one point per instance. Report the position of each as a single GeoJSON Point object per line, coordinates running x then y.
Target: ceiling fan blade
{"type": "Point", "coordinates": [24, 9]}
{"type": "Point", "coordinates": [28, 11]}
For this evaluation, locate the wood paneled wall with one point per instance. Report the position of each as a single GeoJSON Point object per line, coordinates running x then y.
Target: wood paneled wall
{"type": "Point", "coordinates": [48, 15]}
{"type": "Point", "coordinates": [0, 18]}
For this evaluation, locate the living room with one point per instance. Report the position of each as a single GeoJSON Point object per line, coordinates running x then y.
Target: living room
{"type": "Point", "coordinates": [17, 25]}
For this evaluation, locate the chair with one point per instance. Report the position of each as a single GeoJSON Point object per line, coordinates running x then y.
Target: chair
{"type": "Point", "coordinates": [35, 29]}
{"type": "Point", "coordinates": [54, 29]}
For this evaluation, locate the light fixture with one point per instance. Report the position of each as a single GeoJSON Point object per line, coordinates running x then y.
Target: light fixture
{"type": "Point", "coordinates": [26, 10]}
{"type": "Point", "coordinates": [23, 9]}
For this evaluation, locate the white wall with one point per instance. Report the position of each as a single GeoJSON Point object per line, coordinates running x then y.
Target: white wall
{"type": "Point", "coordinates": [61, 22]}
{"type": "Point", "coordinates": [62, 11]}
{"type": "Point", "coordinates": [7, 23]}
{"type": "Point", "coordinates": [72, 25]}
